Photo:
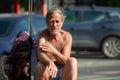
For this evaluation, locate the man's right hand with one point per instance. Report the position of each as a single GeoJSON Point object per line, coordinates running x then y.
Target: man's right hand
{"type": "Point", "coordinates": [52, 69]}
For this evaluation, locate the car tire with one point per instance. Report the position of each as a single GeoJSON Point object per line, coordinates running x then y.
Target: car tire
{"type": "Point", "coordinates": [3, 76]}
{"type": "Point", "coordinates": [111, 47]}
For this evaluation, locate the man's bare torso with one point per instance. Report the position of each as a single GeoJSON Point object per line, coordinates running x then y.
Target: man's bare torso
{"type": "Point", "coordinates": [58, 44]}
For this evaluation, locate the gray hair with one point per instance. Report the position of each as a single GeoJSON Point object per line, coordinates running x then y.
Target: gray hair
{"type": "Point", "coordinates": [55, 10]}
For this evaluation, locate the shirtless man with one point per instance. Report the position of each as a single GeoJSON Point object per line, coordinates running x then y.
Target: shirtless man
{"type": "Point", "coordinates": [53, 52]}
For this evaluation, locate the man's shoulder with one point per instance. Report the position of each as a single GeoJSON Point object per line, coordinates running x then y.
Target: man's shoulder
{"type": "Point", "coordinates": [67, 34]}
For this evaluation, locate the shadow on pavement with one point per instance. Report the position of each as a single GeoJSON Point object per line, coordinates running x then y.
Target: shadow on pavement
{"type": "Point", "coordinates": [86, 54]}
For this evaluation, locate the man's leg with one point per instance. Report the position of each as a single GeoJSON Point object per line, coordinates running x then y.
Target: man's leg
{"type": "Point", "coordinates": [70, 70]}
{"type": "Point", "coordinates": [41, 72]}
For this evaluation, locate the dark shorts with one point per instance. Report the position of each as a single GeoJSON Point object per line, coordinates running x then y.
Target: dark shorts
{"type": "Point", "coordinates": [58, 73]}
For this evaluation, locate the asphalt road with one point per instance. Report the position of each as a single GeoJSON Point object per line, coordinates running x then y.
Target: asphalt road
{"type": "Point", "coordinates": [96, 67]}
{"type": "Point", "coordinates": [90, 67]}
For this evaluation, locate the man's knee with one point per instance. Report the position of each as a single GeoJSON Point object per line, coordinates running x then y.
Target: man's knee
{"type": "Point", "coordinates": [38, 65]}
{"type": "Point", "coordinates": [41, 71]}
{"type": "Point", "coordinates": [71, 63]}
{"type": "Point", "coordinates": [70, 69]}
{"type": "Point", "coordinates": [72, 60]}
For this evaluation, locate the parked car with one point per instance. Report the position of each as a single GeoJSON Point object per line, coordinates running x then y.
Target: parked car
{"type": "Point", "coordinates": [94, 28]}
{"type": "Point", "coordinates": [11, 25]}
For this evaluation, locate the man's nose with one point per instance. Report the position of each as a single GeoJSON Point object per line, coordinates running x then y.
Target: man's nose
{"type": "Point", "coordinates": [55, 24]}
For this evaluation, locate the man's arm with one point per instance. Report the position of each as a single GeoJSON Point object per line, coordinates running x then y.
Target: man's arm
{"type": "Point", "coordinates": [61, 57]}
{"type": "Point", "coordinates": [65, 54]}
{"type": "Point", "coordinates": [44, 59]}
{"type": "Point", "coordinates": [41, 54]}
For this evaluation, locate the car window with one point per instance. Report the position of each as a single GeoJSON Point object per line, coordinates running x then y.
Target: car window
{"type": "Point", "coordinates": [39, 24]}
{"type": "Point", "coordinates": [84, 16]}
{"type": "Point", "coordinates": [92, 16]}
{"type": "Point", "coordinates": [22, 26]}
{"type": "Point", "coordinates": [5, 26]}
{"type": "Point", "coordinates": [70, 16]}
{"type": "Point", "coordinates": [114, 15]}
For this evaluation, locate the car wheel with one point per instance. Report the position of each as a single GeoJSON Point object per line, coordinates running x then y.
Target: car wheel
{"type": "Point", "coordinates": [2, 74]}
{"type": "Point", "coordinates": [111, 47]}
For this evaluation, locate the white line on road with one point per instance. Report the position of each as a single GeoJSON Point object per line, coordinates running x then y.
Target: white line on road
{"type": "Point", "coordinates": [95, 78]}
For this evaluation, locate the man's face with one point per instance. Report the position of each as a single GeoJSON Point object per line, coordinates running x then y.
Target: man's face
{"type": "Point", "coordinates": [54, 23]}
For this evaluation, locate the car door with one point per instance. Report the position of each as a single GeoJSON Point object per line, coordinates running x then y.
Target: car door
{"type": "Point", "coordinates": [106, 27]}
{"type": "Point", "coordinates": [82, 28]}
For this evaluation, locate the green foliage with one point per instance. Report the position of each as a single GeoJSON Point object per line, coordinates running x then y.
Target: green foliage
{"type": "Point", "coordinates": [24, 3]}
{"type": "Point", "coordinates": [114, 3]}
{"type": "Point", "coordinates": [111, 3]}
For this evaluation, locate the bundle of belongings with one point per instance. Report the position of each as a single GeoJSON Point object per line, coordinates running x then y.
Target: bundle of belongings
{"type": "Point", "coordinates": [17, 64]}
